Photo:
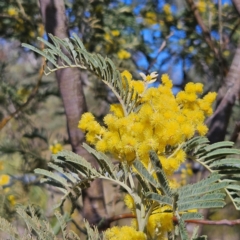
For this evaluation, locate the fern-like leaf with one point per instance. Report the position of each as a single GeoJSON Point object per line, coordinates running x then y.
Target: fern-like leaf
{"type": "Point", "coordinates": [218, 158]}
{"type": "Point", "coordinates": [64, 53]}
{"type": "Point", "coordinates": [8, 228]}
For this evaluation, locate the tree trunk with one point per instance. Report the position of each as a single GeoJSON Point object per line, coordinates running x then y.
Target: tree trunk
{"type": "Point", "coordinates": [227, 95]}
{"type": "Point", "coordinates": [71, 89]}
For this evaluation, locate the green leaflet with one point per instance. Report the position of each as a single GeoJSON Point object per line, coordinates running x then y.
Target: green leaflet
{"type": "Point", "coordinates": [191, 215]}
{"type": "Point", "coordinates": [42, 53]}
{"type": "Point", "coordinates": [143, 171]}
{"type": "Point", "coordinates": [103, 160]}
{"type": "Point", "coordinates": [61, 224]}
{"type": "Point", "coordinates": [53, 176]}
{"type": "Point", "coordinates": [198, 205]}
{"type": "Point", "coordinates": [71, 157]}
{"type": "Point", "coordinates": [159, 198]}
{"type": "Point", "coordinates": [206, 197]}
{"type": "Point", "coordinates": [218, 145]}
{"type": "Point", "coordinates": [69, 176]}
{"type": "Point", "coordinates": [182, 229]}
{"type": "Point", "coordinates": [162, 179]}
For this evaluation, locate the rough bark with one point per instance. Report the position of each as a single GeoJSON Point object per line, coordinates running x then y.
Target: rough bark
{"type": "Point", "coordinates": [71, 89]}
{"type": "Point", "coordinates": [227, 95]}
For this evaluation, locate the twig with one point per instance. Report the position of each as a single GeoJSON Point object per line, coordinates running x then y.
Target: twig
{"type": "Point", "coordinates": [205, 30]}
{"type": "Point", "coordinates": [204, 222]}
{"type": "Point", "coordinates": [22, 11]}
{"type": "Point", "coordinates": [220, 23]}
{"type": "Point", "coordinates": [163, 45]}
{"type": "Point", "coordinates": [30, 98]}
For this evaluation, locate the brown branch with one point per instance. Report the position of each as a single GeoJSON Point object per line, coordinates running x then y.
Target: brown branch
{"type": "Point", "coordinates": [227, 95]}
{"type": "Point", "coordinates": [205, 30]}
{"type": "Point", "coordinates": [22, 11]}
{"type": "Point", "coordinates": [204, 222]}
{"type": "Point", "coordinates": [30, 98]}
{"type": "Point", "coordinates": [236, 4]}
{"type": "Point", "coordinates": [163, 45]}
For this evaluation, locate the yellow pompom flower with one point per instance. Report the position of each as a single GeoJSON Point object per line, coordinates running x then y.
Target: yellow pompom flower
{"type": "Point", "coordinates": [138, 86]}
{"type": "Point", "coordinates": [11, 200]}
{"type": "Point", "coordinates": [12, 11]}
{"type": "Point", "coordinates": [167, 9]}
{"type": "Point", "coordinates": [150, 18]}
{"type": "Point", "coordinates": [128, 200]}
{"type": "Point", "coordinates": [86, 120]}
{"type": "Point", "coordinates": [160, 222]}
{"type": "Point", "coordinates": [124, 233]}
{"type": "Point", "coordinates": [123, 54]}
{"type": "Point", "coordinates": [55, 148]}
{"type": "Point", "coordinates": [4, 179]}
{"type": "Point", "coordinates": [199, 87]}
{"type": "Point", "coordinates": [202, 129]}
{"type": "Point", "coordinates": [202, 6]}
{"type": "Point", "coordinates": [115, 33]}
{"type": "Point", "coordinates": [117, 110]}
{"type": "Point", "coordinates": [166, 81]}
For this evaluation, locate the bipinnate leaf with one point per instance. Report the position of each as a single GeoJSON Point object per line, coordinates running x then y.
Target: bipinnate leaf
{"type": "Point", "coordinates": [65, 53]}
{"type": "Point", "coordinates": [219, 158]}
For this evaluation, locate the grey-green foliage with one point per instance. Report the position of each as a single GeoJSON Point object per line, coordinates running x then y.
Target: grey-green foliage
{"type": "Point", "coordinates": [40, 229]}
{"type": "Point", "coordinates": [71, 173]}
{"type": "Point", "coordinates": [64, 53]}
{"type": "Point", "coordinates": [219, 158]}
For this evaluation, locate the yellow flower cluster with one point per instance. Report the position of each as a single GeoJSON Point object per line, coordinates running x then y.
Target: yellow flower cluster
{"type": "Point", "coordinates": [202, 6]}
{"type": "Point", "coordinates": [12, 11]}
{"type": "Point", "coordinates": [167, 10]}
{"type": "Point", "coordinates": [162, 124]}
{"type": "Point", "coordinates": [123, 54]}
{"type": "Point", "coordinates": [205, 5]}
{"type": "Point", "coordinates": [151, 18]}
{"type": "Point", "coordinates": [159, 222]}
{"type": "Point", "coordinates": [4, 179]}
{"type": "Point", "coordinates": [115, 33]}
{"type": "Point", "coordinates": [11, 200]}
{"type": "Point", "coordinates": [55, 148]}
{"type": "Point", "coordinates": [124, 233]}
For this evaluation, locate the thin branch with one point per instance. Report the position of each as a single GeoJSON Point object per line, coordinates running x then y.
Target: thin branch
{"type": "Point", "coordinates": [163, 45]}
{"type": "Point", "coordinates": [30, 98]}
{"type": "Point", "coordinates": [220, 23]}
{"type": "Point", "coordinates": [22, 11]}
{"type": "Point", "coordinates": [205, 30]}
{"type": "Point", "coordinates": [203, 222]}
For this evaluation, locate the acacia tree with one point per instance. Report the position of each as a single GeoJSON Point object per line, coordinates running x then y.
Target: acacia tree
{"type": "Point", "coordinates": [71, 89]}
{"type": "Point", "coordinates": [110, 30]}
